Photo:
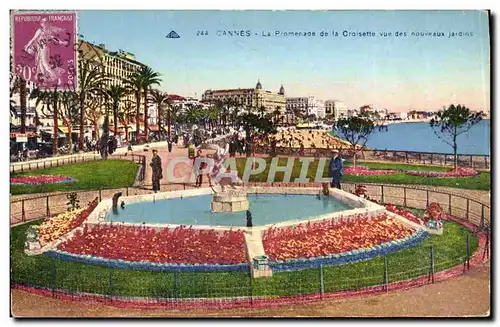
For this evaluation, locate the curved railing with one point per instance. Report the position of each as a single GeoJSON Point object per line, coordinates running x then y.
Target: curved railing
{"type": "Point", "coordinates": [208, 290]}
{"type": "Point", "coordinates": [470, 210]}
{"type": "Point", "coordinates": [433, 158]}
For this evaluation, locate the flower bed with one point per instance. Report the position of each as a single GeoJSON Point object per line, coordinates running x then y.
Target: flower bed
{"type": "Point", "coordinates": [40, 180]}
{"type": "Point", "coordinates": [331, 237]}
{"type": "Point", "coordinates": [56, 226]}
{"type": "Point", "coordinates": [405, 213]}
{"type": "Point", "coordinates": [459, 172]}
{"type": "Point", "coordinates": [181, 245]}
{"type": "Point", "coordinates": [363, 171]}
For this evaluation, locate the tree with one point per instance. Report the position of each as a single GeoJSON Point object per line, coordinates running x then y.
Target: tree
{"type": "Point", "coordinates": [172, 115]}
{"type": "Point", "coordinates": [356, 130]}
{"type": "Point", "coordinates": [68, 112]}
{"type": "Point", "coordinates": [256, 121]}
{"type": "Point", "coordinates": [114, 94]}
{"type": "Point", "coordinates": [148, 78]}
{"type": "Point", "coordinates": [192, 115]}
{"type": "Point", "coordinates": [91, 82]}
{"type": "Point", "coordinates": [94, 111]}
{"type": "Point", "coordinates": [451, 122]}
{"type": "Point", "coordinates": [160, 99]}
{"type": "Point", "coordinates": [134, 84]}
{"type": "Point", "coordinates": [126, 115]}
{"type": "Point", "coordinates": [49, 98]}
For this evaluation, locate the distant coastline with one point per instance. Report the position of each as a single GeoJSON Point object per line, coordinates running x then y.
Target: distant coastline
{"type": "Point", "coordinates": [423, 120]}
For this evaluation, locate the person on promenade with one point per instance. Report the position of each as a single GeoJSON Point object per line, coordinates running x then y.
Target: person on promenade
{"type": "Point", "coordinates": [157, 170]}
{"type": "Point", "coordinates": [336, 169]}
{"type": "Point", "coordinates": [203, 165]}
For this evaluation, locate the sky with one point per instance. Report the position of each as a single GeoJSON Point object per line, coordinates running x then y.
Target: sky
{"type": "Point", "coordinates": [400, 73]}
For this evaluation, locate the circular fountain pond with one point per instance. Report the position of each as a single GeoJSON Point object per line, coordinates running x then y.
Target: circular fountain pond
{"type": "Point", "coordinates": [195, 210]}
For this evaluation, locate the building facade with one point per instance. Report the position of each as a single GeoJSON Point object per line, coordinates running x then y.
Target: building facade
{"type": "Point", "coordinates": [256, 97]}
{"type": "Point", "coordinates": [306, 105]}
{"type": "Point", "coordinates": [336, 109]}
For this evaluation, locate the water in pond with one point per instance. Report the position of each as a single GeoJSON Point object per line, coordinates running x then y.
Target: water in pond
{"type": "Point", "coordinates": [195, 210]}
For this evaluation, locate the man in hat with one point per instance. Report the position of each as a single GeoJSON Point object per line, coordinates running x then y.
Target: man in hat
{"type": "Point", "coordinates": [157, 170]}
{"type": "Point", "coordinates": [336, 169]}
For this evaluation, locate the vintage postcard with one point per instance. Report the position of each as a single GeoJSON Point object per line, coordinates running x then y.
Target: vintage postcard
{"type": "Point", "coordinates": [250, 163]}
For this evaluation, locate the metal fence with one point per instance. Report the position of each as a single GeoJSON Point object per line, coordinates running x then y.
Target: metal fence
{"type": "Point", "coordinates": [433, 158]}
{"type": "Point", "coordinates": [470, 210]}
{"type": "Point", "coordinates": [56, 162]}
{"type": "Point", "coordinates": [182, 289]}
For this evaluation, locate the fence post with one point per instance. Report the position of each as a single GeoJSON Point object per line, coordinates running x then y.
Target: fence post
{"type": "Point", "coordinates": [184, 185]}
{"type": "Point", "coordinates": [382, 193]}
{"type": "Point", "coordinates": [404, 196]}
{"type": "Point", "coordinates": [466, 262]}
{"type": "Point", "coordinates": [37, 165]}
{"type": "Point", "coordinates": [110, 284]}
{"type": "Point", "coordinates": [432, 156]}
{"type": "Point", "coordinates": [419, 157]}
{"type": "Point", "coordinates": [449, 203]}
{"type": "Point", "coordinates": [48, 209]}
{"type": "Point", "coordinates": [406, 156]}
{"type": "Point", "coordinates": [445, 157]}
{"type": "Point", "coordinates": [100, 195]}
{"type": "Point", "coordinates": [177, 284]}
{"type": "Point", "coordinates": [321, 282]}
{"type": "Point", "coordinates": [54, 278]}
{"type": "Point", "coordinates": [386, 274]}
{"type": "Point", "coordinates": [481, 224]}
{"type": "Point", "coordinates": [44, 164]}
{"type": "Point", "coordinates": [22, 168]}
{"type": "Point", "coordinates": [29, 165]}
{"type": "Point", "coordinates": [485, 162]}
{"type": "Point", "coordinates": [431, 270]}
{"type": "Point", "coordinates": [427, 198]}
{"type": "Point", "coordinates": [486, 252]}
{"type": "Point", "coordinates": [471, 161]}
{"type": "Point", "coordinates": [23, 213]}
{"type": "Point", "coordinates": [127, 190]}
{"type": "Point", "coordinates": [467, 212]}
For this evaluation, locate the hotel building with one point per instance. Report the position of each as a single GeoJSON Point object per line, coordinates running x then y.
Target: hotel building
{"type": "Point", "coordinates": [256, 97]}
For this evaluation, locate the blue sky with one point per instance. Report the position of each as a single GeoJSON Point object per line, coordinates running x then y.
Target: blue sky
{"type": "Point", "coordinates": [398, 73]}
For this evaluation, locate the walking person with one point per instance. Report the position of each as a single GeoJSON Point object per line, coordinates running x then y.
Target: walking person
{"type": "Point", "coordinates": [336, 169]}
{"type": "Point", "coordinates": [157, 170]}
{"type": "Point", "coordinates": [203, 165]}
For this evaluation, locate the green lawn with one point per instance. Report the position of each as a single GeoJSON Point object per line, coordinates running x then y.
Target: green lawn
{"type": "Point", "coordinates": [481, 182]}
{"type": "Point", "coordinates": [449, 250]}
{"type": "Point", "coordinates": [88, 175]}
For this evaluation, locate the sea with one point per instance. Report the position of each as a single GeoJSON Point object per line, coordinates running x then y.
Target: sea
{"type": "Point", "coordinates": [419, 136]}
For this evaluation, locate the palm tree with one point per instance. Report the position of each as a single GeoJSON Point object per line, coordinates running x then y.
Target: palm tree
{"type": "Point", "coordinates": [22, 99]}
{"type": "Point", "coordinates": [91, 82]}
{"type": "Point", "coordinates": [49, 98]}
{"type": "Point", "coordinates": [160, 99]}
{"type": "Point", "coordinates": [126, 115]}
{"type": "Point", "coordinates": [19, 86]}
{"type": "Point", "coordinates": [192, 114]}
{"type": "Point", "coordinates": [148, 78]}
{"type": "Point", "coordinates": [134, 84]}
{"type": "Point", "coordinates": [114, 94]}
{"type": "Point", "coordinates": [68, 111]}
{"type": "Point", "coordinates": [93, 103]}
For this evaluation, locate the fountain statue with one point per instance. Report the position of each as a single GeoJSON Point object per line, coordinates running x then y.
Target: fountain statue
{"type": "Point", "coordinates": [229, 196]}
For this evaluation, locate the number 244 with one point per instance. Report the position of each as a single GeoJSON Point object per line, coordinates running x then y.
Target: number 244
{"type": "Point", "coordinates": [202, 33]}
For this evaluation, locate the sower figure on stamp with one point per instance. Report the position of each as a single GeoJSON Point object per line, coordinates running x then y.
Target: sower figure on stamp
{"type": "Point", "coordinates": [157, 171]}
{"type": "Point", "coordinates": [336, 169]}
